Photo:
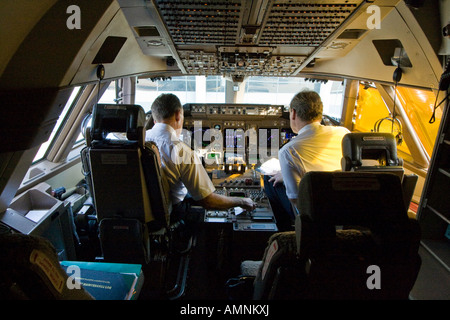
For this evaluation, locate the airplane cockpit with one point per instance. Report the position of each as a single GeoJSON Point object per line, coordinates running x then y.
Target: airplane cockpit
{"type": "Point", "coordinates": [85, 192]}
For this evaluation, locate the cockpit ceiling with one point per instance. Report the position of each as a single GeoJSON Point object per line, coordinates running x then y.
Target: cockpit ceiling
{"type": "Point", "coordinates": [259, 37]}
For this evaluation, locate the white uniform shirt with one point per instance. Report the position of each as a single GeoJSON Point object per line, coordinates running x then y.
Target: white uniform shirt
{"type": "Point", "coordinates": [182, 167]}
{"type": "Point", "coordinates": [315, 148]}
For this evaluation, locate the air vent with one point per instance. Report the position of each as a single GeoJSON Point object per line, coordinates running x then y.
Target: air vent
{"type": "Point", "coordinates": [147, 31]}
{"type": "Point", "coordinates": [392, 53]}
{"type": "Point", "coordinates": [352, 34]}
{"type": "Point", "coordinates": [109, 50]}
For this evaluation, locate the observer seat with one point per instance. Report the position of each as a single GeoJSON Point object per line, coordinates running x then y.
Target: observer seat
{"type": "Point", "coordinates": [128, 188]}
{"type": "Point", "coordinates": [348, 224]}
{"type": "Point", "coordinates": [376, 152]}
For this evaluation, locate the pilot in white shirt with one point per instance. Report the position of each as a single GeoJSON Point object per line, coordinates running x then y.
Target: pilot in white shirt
{"type": "Point", "coordinates": [182, 167]}
{"type": "Point", "coordinates": [184, 172]}
{"type": "Point", "coordinates": [315, 148]}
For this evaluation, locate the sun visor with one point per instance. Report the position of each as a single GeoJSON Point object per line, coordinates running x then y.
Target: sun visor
{"type": "Point", "coordinates": [29, 116]}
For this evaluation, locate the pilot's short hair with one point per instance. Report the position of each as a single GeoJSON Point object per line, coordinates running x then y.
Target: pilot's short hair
{"type": "Point", "coordinates": [308, 105]}
{"type": "Point", "coordinates": [165, 106]}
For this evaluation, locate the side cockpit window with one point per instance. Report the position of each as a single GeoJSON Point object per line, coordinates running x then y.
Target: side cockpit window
{"type": "Point", "coordinates": [59, 124]}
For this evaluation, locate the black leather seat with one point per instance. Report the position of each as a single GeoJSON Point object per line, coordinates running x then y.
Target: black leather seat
{"type": "Point", "coordinates": [353, 240]}
{"type": "Point", "coordinates": [31, 270]}
{"type": "Point", "coordinates": [128, 188]}
{"type": "Point", "coordinates": [376, 152]}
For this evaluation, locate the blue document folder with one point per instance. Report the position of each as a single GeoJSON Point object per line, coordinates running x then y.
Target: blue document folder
{"type": "Point", "coordinates": [106, 281]}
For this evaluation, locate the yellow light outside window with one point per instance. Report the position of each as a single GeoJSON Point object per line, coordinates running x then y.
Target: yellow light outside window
{"type": "Point", "coordinates": [418, 105]}
{"type": "Point", "coordinates": [370, 108]}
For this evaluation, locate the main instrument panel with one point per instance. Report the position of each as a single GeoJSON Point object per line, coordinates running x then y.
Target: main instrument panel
{"type": "Point", "coordinates": [237, 135]}
{"type": "Point", "coordinates": [233, 139]}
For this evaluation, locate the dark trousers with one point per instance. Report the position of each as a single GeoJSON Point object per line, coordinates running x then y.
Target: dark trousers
{"type": "Point", "coordinates": [186, 222]}
{"type": "Point", "coordinates": [184, 213]}
{"type": "Point", "coordinates": [281, 206]}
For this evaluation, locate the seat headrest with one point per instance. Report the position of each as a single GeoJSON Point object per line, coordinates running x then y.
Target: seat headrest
{"type": "Point", "coordinates": [351, 198]}
{"type": "Point", "coordinates": [378, 146]}
{"type": "Point", "coordinates": [123, 118]}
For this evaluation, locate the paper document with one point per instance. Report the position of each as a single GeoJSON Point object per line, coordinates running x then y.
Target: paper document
{"type": "Point", "coordinates": [36, 215]}
{"type": "Point", "coordinates": [270, 167]}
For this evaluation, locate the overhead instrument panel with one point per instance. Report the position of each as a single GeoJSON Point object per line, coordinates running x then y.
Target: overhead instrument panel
{"type": "Point", "coordinates": [304, 23]}
{"type": "Point", "coordinates": [201, 22]}
{"type": "Point", "coordinates": [250, 37]}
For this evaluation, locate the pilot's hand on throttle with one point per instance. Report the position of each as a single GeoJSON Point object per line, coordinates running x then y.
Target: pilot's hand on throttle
{"type": "Point", "coordinates": [276, 178]}
{"type": "Point", "coordinates": [248, 204]}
